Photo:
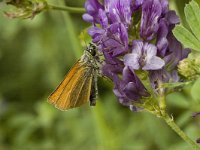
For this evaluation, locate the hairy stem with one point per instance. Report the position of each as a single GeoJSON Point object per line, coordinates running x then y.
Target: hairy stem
{"type": "Point", "coordinates": [160, 111]}
{"type": "Point", "coordinates": [176, 128]}
{"type": "Point", "coordinates": [162, 105]}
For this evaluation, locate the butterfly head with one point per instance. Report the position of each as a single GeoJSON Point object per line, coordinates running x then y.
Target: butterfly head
{"type": "Point", "coordinates": [92, 49]}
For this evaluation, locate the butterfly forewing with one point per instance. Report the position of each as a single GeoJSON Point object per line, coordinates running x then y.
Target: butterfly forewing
{"type": "Point", "coordinates": [70, 96]}
{"type": "Point", "coordinates": [55, 95]}
{"type": "Point", "coordinates": [72, 91]}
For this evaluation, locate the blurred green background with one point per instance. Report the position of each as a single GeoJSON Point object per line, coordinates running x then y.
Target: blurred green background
{"type": "Point", "coordinates": [34, 57]}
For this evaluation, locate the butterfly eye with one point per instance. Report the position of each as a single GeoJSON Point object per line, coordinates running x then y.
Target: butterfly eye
{"type": "Point", "coordinates": [93, 52]}
{"type": "Point", "coordinates": [92, 49]}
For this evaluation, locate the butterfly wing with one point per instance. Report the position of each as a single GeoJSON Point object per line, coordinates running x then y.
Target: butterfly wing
{"type": "Point", "coordinates": [74, 90]}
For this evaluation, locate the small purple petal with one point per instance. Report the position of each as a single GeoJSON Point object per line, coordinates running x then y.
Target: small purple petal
{"type": "Point", "coordinates": [144, 56]}
{"type": "Point", "coordinates": [137, 47]}
{"type": "Point", "coordinates": [162, 45]}
{"type": "Point", "coordinates": [88, 18]}
{"type": "Point", "coordinates": [118, 51]}
{"type": "Point", "coordinates": [103, 18]}
{"type": "Point", "coordinates": [132, 60]}
{"type": "Point", "coordinates": [154, 63]}
{"type": "Point", "coordinates": [172, 18]}
{"type": "Point", "coordinates": [92, 8]}
{"type": "Point", "coordinates": [128, 75]}
{"type": "Point", "coordinates": [135, 85]}
{"type": "Point", "coordinates": [165, 6]}
{"type": "Point", "coordinates": [174, 76]}
{"type": "Point", "coordinates": [149, 50]}
{"type": "Point", "coordinates": [195, 114]}
{"type": "Point", "coordinates": [122, 98]}
{"type": "Point", "coordinates": [109, 59]}
{"type": "Point", "coordinates": [151, 12]}
{"type": "Point", "coordinates": [95, 31]}
{"type": "Point", "coordinates": [112, 44]}
{"type": "Point", "coordinates": [162, 42]}
{"type": "Point", "coordinates": [116, 39]}
{"type": "Point", "coordinates": [130, 90]}
{"type": "Point", "coordinates": [96, 34]}
{"type": "Point", "coordinates": [163, 28]}
{"type": "Point", "coordinates": [176, 52]}
{"type": "Point", "coordinates": [119, 11]}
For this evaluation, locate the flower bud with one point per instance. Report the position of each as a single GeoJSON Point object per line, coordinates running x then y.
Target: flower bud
{"type": "Point", "coordinates": [190, 67]}
{"type": "Point", "coordinates": [26, 8]}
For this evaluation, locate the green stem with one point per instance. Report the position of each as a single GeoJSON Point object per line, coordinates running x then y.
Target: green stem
{"type": "Point", "coordinates": [161, 113]}
{"type": "Point", "coordinates": [162, 105]}
{"type": "Point", "coordinates": [162, 99]}
{"type": "Point", "coordinates": [67, 8]}
{"type": "Point", "coordinates": [176, 128]}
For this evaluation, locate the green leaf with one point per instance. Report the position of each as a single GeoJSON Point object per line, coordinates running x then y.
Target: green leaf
{"type": "Point", "coordinates": [186, 38]}
{"type": "Point", "coordinates": [192, 14]}
{"type": "Point", "coordinates": [195, 90]}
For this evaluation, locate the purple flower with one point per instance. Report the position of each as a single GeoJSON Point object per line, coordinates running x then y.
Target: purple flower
{"type": "Point", "coordinates": [143, 56]}
{"type": "Point", "coordinates": [195, 114]}
{"type": "Point", "coordinates": [96, 34]}
{"type": "Point", "coordinates": [116, 40]}
{"type": "Point", "coordinates": [151, 49]}
{"type": "Point", "coordinates": [151, 12]}
{"type": "Point", "coordinates": [170, 50]}
{"type": "Point", "coordinates": [175, 52]}
{"type": "Point", "coordinates": [162, 42]}
{"type": "Point", "coordinates": [162, 76]}
{"type": "Point", "coordinates": [129, 89]}
{"type": "Point", "coordinates": [172, 54]}
{"type": "Point", "coordinates": [112, 70]}
{"type": "Point", "coordinates": [172, 18]}
{"type": "Point", "coordinates": [119, 11]}
{"type": "Point", "coordinates": [93, 7]}
{"type": "Point", "coordinates": [164, 4]}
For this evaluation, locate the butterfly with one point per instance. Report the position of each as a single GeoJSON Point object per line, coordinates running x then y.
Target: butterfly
{"type": "Point", "coordinates": [80, 84]}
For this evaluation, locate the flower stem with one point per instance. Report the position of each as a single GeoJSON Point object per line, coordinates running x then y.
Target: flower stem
{"type": "Point", "coordinates": [66, 8]}
{"type": "Point", "coordinates": [160, 112]}
{"type": "Point", "coordinates": [176, 128]}
{"type": "Point", "coordinates": [162, 105]}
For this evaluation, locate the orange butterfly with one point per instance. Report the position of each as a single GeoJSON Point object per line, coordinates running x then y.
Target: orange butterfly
{"type": "Point", "coordinates": [80, 84]}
